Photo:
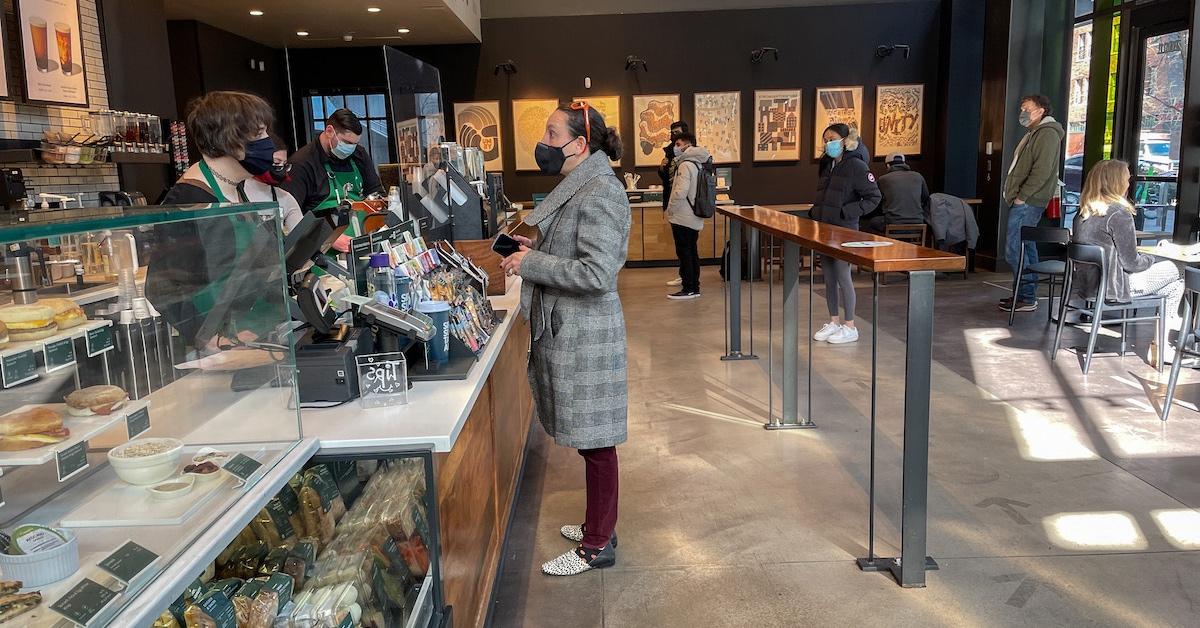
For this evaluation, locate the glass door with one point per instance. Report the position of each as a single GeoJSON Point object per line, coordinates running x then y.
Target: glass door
{"type": "Point", "coordinates": [1155, 135]}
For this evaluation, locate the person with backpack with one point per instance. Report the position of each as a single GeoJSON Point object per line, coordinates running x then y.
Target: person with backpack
{"type": "Point", "coordinates": [685, 211]}
{"type": "Point", "coordinates": [846, 192]}
{"type": "Point", "coordinates": [666, 172]}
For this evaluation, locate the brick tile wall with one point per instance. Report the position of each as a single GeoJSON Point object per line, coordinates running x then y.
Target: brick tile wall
{"type": "Point", "coordinates": [27, 122]}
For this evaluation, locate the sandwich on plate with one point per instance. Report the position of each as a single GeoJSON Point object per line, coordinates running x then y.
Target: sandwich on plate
{"type": "Point", "coordinates": [95, 400]}
{"type": "Point", "coordinates": [14, 603]}
{"type": "Point", "coordinates": [28, 322]}
{"type": "Point", "coordinates": [67, 313]}
{"type": "Point", "coordinates": [28, 429]}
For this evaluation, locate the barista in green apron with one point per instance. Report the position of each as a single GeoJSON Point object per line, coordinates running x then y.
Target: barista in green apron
{"type": "Point", "coordinates": [262, 315]}
{"type": "Point", "coordinates": [345, 186]}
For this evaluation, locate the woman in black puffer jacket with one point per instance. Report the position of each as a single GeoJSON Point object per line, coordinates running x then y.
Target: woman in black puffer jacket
{"type": "Point", "coordinates": [847, 191]}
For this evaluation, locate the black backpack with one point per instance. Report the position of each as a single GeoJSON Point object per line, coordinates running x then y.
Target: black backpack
{"type": "Point", "coordinates": [705, 205]}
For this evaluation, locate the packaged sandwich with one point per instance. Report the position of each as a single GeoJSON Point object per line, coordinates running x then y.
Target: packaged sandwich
{"type": "Point", "coordinates": [314, 510]}
{"type": "Point", "coordinates": [321, 478]}
{"type": "Point", "coordinates": [213, 610]}
{"type": "Point", "coordinates": [356, 569]}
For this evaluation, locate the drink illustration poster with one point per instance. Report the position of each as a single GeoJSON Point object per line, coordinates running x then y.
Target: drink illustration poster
{"type": "Point", "coordinates": [52, 49]}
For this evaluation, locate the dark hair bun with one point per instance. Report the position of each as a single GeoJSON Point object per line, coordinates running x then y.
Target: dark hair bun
{"type": "Point", "coordinates": [612, 144]}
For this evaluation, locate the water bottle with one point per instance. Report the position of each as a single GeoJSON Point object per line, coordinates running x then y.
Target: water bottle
{"type": "Point", "coordinates": [382, 284]}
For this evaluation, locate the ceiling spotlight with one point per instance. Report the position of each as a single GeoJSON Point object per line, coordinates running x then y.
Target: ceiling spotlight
{"type": "Point", "coordinates": [302, 33]}
{"type": "Point", "coordinates": [404, 31]}
{"type": "Point", "coordinates": [256, 12]}
{"type": "Point", "coordinates": [373, 9]}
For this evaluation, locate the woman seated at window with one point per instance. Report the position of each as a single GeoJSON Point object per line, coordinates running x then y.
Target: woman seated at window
{"type": "Point", "coordinates": [1105, 219]}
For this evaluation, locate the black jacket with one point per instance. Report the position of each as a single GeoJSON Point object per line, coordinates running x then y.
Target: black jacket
{"type": "Point", "coordinates": [847, 191]}
{"type": "Point", "coordinates": [665, 174]}
{"type": "Point", "coordinates": [310, 183]}
{"type": "Point", "coordinates": [905, 196]}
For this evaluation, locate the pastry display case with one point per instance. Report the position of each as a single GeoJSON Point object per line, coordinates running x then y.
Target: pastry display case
{"type": "Point", "coordinates": [147, 392]}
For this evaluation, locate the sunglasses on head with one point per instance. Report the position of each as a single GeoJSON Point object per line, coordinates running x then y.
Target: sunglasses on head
{"type": "Point", "coordinates": [582, 105]}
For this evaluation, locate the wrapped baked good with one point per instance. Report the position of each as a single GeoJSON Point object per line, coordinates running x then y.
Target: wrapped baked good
{"type": "Point", "coordinates": [166, 620]}
{"type": "Point", "coordinates": [290, 500]}
{"type": "Point", "coordinates": [263, 610]}
{"type": "Point", "coordinates": [314, 510]}
{"type": "Point", "coordinates": [213, 610]}
{"type": "Point", "coordinates": [243, 599]}
{"type": "Point", "coordinates": [273, 526]}
{"type": "Point", "coordinates": [321, 478]}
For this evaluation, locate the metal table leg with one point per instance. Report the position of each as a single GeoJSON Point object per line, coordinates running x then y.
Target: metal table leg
{"type": "Point", "coordinates": [791, 341]}
{"type": "Point", "coordinates": [871, 562]}
{"type": "Point", "coordinates": [909, 570]}
{"type": "Point", "coordinates": [733, 282]}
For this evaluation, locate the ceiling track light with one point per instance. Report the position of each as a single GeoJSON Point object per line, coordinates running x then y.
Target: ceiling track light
{"type": "Point", "coordinates": [508, 66]}
{"type": "Point", "coordinates": [632, 62]}
{"type": "Point", "coordinates": [886, 51]}
{"type": "Point", "coordinates": [256, 13]}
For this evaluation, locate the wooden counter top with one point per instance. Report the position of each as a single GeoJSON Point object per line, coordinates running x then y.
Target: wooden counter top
{"type": "Point", "coordinates": [828, 239]}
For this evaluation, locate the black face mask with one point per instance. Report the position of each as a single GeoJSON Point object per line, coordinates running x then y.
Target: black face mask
{"type": "Point", "coordinates": [550, 159]}
{"type": "Point", "coordinates": [260, 156]}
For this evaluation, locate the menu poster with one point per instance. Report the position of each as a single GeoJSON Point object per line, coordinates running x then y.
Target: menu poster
{"type": "Point", "coordinates": [5, 94]}
{"type": "Point", "coordinates": [52, 49]}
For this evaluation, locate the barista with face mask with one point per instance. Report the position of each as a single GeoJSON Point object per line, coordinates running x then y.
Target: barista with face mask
{"type": "Point", "coordinates": [334, 168]}
{"type": "Point", "coordinates": [264, 187]}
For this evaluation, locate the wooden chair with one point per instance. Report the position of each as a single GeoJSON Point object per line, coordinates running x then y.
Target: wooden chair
{"type": "Point", "coordinates": [912, 234]}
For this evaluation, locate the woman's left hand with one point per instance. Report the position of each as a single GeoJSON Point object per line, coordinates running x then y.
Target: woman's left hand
{"type": "Point", "coordinates": [512, 263]}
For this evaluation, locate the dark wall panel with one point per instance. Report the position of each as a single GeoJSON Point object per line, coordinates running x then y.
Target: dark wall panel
{"type": "Point", "coordinates": [698, 52]}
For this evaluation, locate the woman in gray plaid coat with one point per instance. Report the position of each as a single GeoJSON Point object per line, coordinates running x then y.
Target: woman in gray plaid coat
{"type": "Point", "coordinates": [569, 294]}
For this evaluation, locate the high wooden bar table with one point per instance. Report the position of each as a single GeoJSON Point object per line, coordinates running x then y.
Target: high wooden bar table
{"type": "Point", "coordinates": [921, 264]}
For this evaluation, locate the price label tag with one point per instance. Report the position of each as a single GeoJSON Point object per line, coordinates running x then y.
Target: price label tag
{"type": "Point", "coordinates": [242, 466]}
{"type": "Point", "coordinates": [99, 340]}
{"type": "Point", "coordinates": [137, 422]}
{"type": "Point", "coordinates": [128, 562]}
{"type": "Point", "coordinates": [84, 601]}
{"type": "Point", "coordinates": [71, 460]}
{"type": "Point", "coordinates": [59, 354]}
{"type": "Point", "coordinates": [18, 368]}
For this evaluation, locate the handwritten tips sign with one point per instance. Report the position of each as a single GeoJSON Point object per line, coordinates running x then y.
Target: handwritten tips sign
{"type": "Point", "coordinates": [382, 379]}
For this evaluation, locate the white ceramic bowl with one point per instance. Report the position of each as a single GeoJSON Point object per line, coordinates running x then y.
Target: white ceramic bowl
{"type": "Point", "coordinates": [150, 469]}
{"type": "Point", "coordinates": [159, 490]}
{"type": "Point", "coordinates": [42, 568]}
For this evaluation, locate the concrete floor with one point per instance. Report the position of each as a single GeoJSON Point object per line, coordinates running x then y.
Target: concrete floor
{"type": "Point", "coordinates": [1054, 498]}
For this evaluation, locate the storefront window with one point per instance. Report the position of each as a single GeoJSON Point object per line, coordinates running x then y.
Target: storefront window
{"type": "Point", "coordinates": [1160, 129]}
{"type": "Point", "coordinates": [371, 110]}
{"type": "Point", "coordinates": [1077, 115]}
{"type": "Point", "coordinates": [1083, 7]}
{"type": "Point", "coordinates": [1110, 109]}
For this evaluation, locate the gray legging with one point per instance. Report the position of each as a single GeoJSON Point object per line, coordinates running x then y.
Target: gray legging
{"type": "Point", "coordinates": [838, 283]}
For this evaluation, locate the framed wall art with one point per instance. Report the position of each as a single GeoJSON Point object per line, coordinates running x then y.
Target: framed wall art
{"type": "Point", "coordinates": [777, 125]}
{"type": "Point", "coordinates": [834, 105]}
{"type": "Point", "coordinates": [652, 115]}
{"type": "Point", "coordinates": [408, 143]}
{"type": "Point", "coordinates": [52, 52]}
{"type": "Point", "coordinates": [477, 124]}
{"type": "Point", "coordinates": [718, 125]}
{"type": "Point", "coordinates": [5, 93]}
{"type": "Point", "coordinates": [610, 108]}
{"type": "Point", "coordinates": [529, 125]}
{"type": "Point", "coordinates": [898, 119]}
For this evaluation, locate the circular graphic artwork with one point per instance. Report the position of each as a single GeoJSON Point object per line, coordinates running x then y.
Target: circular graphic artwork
{"type": "Point", "coordinates": [479, 128]}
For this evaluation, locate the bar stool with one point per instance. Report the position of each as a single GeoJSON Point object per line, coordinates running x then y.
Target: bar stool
{"type": "Point", "coordinates": [1096, 305]}
{"type": "Point", "coordinates": [1047, 270]}
{"type": "Point", "coordinates": [1187, 334]}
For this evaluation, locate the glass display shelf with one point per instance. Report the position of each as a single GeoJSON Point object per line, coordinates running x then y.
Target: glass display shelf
{"type": "Point", "coordinates": [179, 335]}
{"type": "Point", "coordinates": [48, 223]}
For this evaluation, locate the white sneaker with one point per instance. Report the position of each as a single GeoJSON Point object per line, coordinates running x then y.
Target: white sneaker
{"type": "Point", "coordinates": [825, 332]}
{"type": "Point", "coordinates": [845, 335]}
{"type": "Point", "coordinates": [678, 281]}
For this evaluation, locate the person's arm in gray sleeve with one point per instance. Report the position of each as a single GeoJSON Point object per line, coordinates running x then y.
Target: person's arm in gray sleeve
{"type": "Point", "coordinates": [603, 238]}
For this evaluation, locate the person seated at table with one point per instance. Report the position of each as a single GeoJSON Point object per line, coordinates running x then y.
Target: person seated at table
{"type": "Point", "coordinates": [1105, 219]}
{"type": "Point", "coordinates": [905, 198]}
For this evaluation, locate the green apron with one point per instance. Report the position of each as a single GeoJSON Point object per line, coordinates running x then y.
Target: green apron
{"type": "Point", "coordinates": [344, 186]}
{"type": "Point", "coordinates": [261, 318]}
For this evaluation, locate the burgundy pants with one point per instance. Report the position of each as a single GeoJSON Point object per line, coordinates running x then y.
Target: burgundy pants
{"type": "Point", "coordinates": [600, 470]}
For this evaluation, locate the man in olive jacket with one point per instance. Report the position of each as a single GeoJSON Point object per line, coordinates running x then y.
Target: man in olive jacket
{"type": "Point", "coordinates": [1028, 188]}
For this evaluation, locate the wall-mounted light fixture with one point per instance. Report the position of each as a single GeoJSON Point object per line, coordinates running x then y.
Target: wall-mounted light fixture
{"type": "Point", "coordinates": [886, 51]}
{"type": "Point", "coordinates": [632, 62]}
{"type": "Point", "coordinates": [757, 55]}
{"type": "Point", "coordinates": [507, 65]}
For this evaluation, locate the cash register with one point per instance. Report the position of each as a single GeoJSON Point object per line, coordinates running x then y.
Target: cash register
{"type": "Point", "coordinates": [325, 352]}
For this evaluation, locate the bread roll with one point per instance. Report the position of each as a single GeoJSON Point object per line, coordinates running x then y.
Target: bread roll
{"type": "Point", "coordinates": [95, 400]}
{"type": "Point", "coordinates": [34, 316]}
{"type": "Point", "coordinates": [3, 335]}
{"type": "Point", "coordinates": [38, 419]}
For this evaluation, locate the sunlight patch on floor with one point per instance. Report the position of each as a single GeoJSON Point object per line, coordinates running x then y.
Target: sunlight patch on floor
{"type": "Point", "coordinates": [1180, 527]}
{"type": "Point", "coordinates": [1094, 531]}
